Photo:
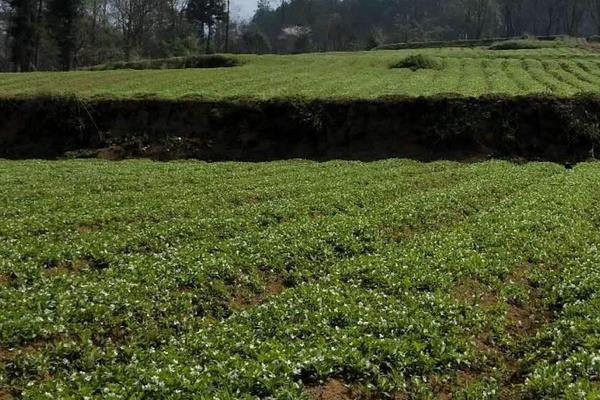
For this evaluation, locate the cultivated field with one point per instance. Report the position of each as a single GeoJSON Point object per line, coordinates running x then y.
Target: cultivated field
{"type": "Point", "coordinates": [290, 280]}
{"type": "Point", "coordinates": [561, 71]}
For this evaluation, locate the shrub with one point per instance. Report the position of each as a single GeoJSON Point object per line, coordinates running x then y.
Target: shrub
{"type": "Point", "coordinates": [518, 45]}
{"type": "Point", "coordinates": [535, 43]}
{"type": "Point", "coordinates": [201, 61]}
{"type": "Point", "coordinates": [436, 44]}
{"type": "Point", "coordinates": [594, 39]}
{"type": "Point", "coordinates": [418, 61]}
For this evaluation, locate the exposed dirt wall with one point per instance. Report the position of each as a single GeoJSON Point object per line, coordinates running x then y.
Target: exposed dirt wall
{"type": "Point", "coordinates": [536, 128]}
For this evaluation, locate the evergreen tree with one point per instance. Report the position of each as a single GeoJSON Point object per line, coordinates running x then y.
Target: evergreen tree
{"type": "Point", "coordinates": [23, 33]}
{"type": "Point", "coordinates": [205, 14]}
{"type": "Point", "coordinates": [64, 23]}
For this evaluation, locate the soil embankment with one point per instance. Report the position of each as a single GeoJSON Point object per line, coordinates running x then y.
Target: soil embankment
{"type": "Point", "coordinates": [532, 128]}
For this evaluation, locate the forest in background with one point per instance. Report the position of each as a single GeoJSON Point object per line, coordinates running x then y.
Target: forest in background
{"type": "Point", "coordinates": [66, 34]}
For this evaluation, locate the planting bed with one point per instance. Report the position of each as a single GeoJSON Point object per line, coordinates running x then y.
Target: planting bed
{"type": "Point", "coordinates": [359, 75]}
{"type": "Point", "coordinates": [297, 279]}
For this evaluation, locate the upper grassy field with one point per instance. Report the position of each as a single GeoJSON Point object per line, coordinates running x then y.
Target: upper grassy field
{"type": "Point", "coordinates": [362, 75]}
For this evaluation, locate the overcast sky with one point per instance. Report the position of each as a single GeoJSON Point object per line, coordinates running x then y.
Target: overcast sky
{"type": "Point", "coordinates": [243, 8]}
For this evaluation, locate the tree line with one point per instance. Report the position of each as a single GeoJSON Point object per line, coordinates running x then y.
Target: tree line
{"type": "Point", "coordinates": [303, 25]}
{"type": "Point", "coordinates": [65, 34]}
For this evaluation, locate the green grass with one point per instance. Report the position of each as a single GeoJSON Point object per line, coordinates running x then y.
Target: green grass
{"type": "Point", "coordinates": [362, 75]}
{"type": "Point", "coordinates": [192, 280]}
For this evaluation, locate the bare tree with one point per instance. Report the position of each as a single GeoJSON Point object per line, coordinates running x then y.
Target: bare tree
{"type": "Point", "coordinates": [5, 12]}
{"type": "Point", "coordinates": [595, 13]}
{"type": "Point", "coordinates": [336, 32]}
{"type": "Point", "coordinates": [97, 11]}
{"type": "Point", "coordinates": [509, 10]}
{"type": "Point", "coordinates": [134, 19]}
{"type": "Point", "coordinates": [551, 11]}
{"type": "Point", "coordinates": [573, 12]}
{"type": "Point", "coordinates": [227, 24]}
{"type": "Point", "coordinates": [477, 16]}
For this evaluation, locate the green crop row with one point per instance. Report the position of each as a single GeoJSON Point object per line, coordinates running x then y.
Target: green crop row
{"type": "Point", "coordinates": [221, 281]}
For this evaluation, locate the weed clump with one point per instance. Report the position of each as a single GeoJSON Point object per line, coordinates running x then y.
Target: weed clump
{"type": "Point", "coordinates": [417, 62]}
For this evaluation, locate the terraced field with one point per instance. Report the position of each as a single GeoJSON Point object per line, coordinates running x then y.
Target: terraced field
{"type": "Point", "coordinates": [363, 75]}
{"type": "Point", "coordinates": [294, 280]}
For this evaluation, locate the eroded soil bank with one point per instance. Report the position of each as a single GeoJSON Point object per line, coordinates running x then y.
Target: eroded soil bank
{"type": "Point", "coordinates": [531, 128]}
